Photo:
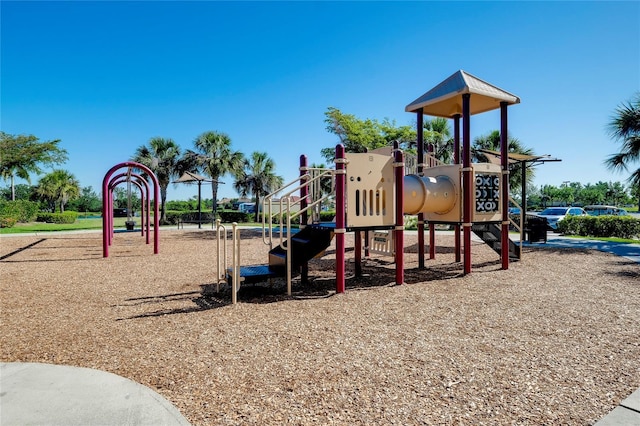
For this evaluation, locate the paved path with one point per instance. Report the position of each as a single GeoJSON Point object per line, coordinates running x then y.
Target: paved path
{"type": "Point", "coordinates": [630, 251]}
{"type": "Point", "coordinates": [47, 394]}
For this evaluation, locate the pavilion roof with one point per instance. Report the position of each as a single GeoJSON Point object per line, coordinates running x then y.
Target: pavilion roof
{"type": "Point", "coordinates": [445, 100]}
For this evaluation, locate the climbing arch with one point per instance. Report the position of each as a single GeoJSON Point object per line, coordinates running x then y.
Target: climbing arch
{"type": "Point", "coordinates": [127, 175]}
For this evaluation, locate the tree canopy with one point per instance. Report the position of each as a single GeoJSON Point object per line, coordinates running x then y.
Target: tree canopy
{"type": "Point", "coordinates": [161, 155]}
{"type": "Point", "coordinates": [257, 178]}
{"type": "Point", "coordinates": [624, 128]}
{"type": "Point", "coordinates": [57, 188]}
{"type": "Point", "coordinates": [359, 135]}
{"type": "Point", "coordinates": [23, 155]}
{"type": "Point", "coordinates": [214, 156]}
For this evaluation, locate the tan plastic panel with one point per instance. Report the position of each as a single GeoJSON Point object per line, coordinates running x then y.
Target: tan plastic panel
{"type": "Point", "coordinates": [370, 190]}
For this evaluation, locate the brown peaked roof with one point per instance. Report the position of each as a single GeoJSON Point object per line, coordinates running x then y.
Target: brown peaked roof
{"type": "Point", "coordinates": [189, 177]}
{"type": "Point", "coordinates": [445, 100]}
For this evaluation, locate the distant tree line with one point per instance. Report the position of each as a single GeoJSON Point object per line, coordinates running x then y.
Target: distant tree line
{"type": "Point", "coordinates": [255, 175]}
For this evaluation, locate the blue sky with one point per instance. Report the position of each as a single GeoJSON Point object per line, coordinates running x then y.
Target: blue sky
{"type": "Point", "coordinates": [105, 77]}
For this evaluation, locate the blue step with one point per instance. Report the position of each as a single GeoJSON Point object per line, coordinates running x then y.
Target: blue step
{"type": "Point", "coordinates": [256, 273]}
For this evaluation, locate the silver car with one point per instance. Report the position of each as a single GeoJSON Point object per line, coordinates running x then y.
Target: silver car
{"type": "Point", "coordinates": [556, 214]}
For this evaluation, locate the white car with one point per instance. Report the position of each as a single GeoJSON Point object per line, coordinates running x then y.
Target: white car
{"type": "Point", "coordinates": [556, 214]}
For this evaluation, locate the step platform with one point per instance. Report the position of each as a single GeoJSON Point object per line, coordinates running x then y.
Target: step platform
{"type": "Point", "coordinates": [256, 273]}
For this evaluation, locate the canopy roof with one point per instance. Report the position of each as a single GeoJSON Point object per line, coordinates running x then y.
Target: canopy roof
{"type": "Point", "coordinates": [189, 177]}
{"type": "Point", "coordinates": [494, 157]}
{"type": "Point", "coordinates": [445, 100]}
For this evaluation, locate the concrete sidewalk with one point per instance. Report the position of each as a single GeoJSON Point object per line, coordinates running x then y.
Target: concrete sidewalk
{"type": "Point", "coordinates": [47, 394]}
{"type": "Point", "coordinates": [629, 251]}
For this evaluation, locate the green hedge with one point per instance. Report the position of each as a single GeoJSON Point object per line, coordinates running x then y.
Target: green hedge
{"type": "Point", "coordinates": [236, 216]}
{"type": "Point", "coordinates": [66, 217]}
{"type": "Point", "coordinates": [601, 226]}
{"type": "Point", "coordinates": [17, 211]}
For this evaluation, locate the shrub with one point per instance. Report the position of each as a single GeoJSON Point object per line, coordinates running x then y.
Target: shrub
{"type": "Point", "coordinates": [236, 216]}
{"type": "Point", "coordinates": [411, 223]}
{"type": "Point", "coordinates": [21, 210]}
{"type": "Point", "coordinates": [7, 221]}
{"type": "Point", "coordinates": [66, 217]}
{"type": "Point", "coordinates": [327, 216]}
{"type": "Point", "coordinates": [601, 226]}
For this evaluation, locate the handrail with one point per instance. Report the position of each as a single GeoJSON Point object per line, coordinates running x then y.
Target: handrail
{"type": "Point", "coordinates": [221, 264]}
{"type": "Point", "coordinates": [520, 226]}
{"type": "Point", "coordinates": [308, 180]}
{"type": "Point", "coordinates": [432, 159]}
{"type": "Point", "coordinates": [222, 254]}
{"type": "Point", "coordinates": [235, 284]}
{"type": "Point", "coordinates": [286, 214]}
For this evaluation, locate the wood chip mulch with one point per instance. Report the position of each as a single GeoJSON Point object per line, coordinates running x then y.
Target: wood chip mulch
{"type": "Point", "coordinates": [555, 339]}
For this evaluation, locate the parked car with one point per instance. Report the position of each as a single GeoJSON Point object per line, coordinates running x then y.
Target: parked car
{"type": "Point", "coordinates": [602, 210]}
{"type": "Point", "coordinates": [556, 214]}
{"type": "Point", "coordinates": [247, 207]}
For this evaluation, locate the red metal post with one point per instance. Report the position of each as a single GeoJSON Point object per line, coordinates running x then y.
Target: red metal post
{"type": "Point", "coordinates": [456, 160]}
{"type": "Point", "coordinates": [504, 189]}
{"type": "Point", "coordinates": [467, 184]}
{"type": "Point", "coordinates": [340, 217]}
{"type": "Point", "coordinates": [420, 149]}
{"type": "Point", "coordinates": [399, 228]}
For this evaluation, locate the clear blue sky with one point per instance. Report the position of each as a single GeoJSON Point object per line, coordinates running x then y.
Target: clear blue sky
{"type": "Point", "coordinates": [105, 77]}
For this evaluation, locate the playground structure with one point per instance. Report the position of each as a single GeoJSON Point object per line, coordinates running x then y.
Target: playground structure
{"type": "Point", "coordinates": [130, 177]}
{"type": "Point", "coordinates": [372, 195]}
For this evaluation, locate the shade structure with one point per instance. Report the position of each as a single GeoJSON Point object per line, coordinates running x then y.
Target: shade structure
{"type": "Point", "coordinates": [191, 177]}
{"type": "Point", "coordinates": [445, 100]}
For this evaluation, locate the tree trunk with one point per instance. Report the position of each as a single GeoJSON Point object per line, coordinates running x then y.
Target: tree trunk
{"type": "Point", "coordinates": [13, 190]}
{"type": "Point", "coordinates": [214, 195]}
{"type": "Point", "coordinates": [257, 213]}
{"type": "Point", "coordinates": [163, 200]}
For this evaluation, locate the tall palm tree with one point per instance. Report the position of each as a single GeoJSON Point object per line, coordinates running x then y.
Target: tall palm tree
{"type": "Point", "coordinates": [57, 188]}
{"type": "Point", "coordinates": [258, 178]}
{"type": "Point", "coordinates": [491, 142]}
{"type": "Point", "coordinates": [625, 127]}
{"type": "Point", "coordinates": [161, 156]}
{"type": "Point", "coordinates": [215, 158]}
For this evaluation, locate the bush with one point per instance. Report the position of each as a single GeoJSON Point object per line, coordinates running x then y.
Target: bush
{"type": "Point", "coordinates": [66, 217]}
{"type": "Point", "coordinates": [7, 221]}
{"type": "Point", "coordinates": [327, 216]}
{"type": "Point", "coordinates": [236, 216]}
{"type": "Point", "coordinates": [20, 210]}
{"type": "Point", "coordinates": [601, 226]}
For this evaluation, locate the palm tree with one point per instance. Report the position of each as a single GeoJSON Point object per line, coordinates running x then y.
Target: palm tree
{"type": "Point", "coordinates": [161, 156]}
{"type": "Point", "coordinates": [258, 178]}
{"type": "Point", "coordinates": [22, 155]}
{"type": "Point", "coordinates": [438, 133]}
{"type": "Point", "coordinates": [491, 142]}
{"type": "Point", "coordinates": [625, 127]}
{"type": "Point", "coordinates": [57, 188]}
{"type": "Point", "coordinates": [215, 158]}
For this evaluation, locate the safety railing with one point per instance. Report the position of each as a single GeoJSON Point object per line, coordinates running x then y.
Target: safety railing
{"type": "Point", "coordinates": [291, 208]}
{"type": "Point", "coordinates": [222, 266]}
{"type": "Point", "coordinates": [519, 226]}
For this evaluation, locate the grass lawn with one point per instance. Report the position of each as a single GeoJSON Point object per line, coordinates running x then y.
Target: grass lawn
{"type": "Point", "coordinates": [79, 224]}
